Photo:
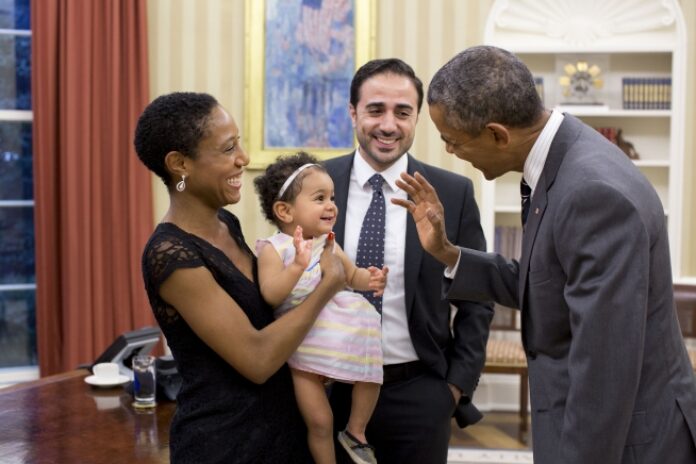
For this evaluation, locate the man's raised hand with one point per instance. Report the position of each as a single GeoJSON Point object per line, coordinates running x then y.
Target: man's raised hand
{"type": "Point", "coordinates": [428, 214]}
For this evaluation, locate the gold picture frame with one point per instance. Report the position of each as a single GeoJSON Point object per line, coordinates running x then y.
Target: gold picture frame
{"type": "Point", "coordinates": [255, 92]}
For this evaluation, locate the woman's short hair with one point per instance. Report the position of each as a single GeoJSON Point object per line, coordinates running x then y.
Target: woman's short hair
{"type": "Point", "coordinates": [172, 122]}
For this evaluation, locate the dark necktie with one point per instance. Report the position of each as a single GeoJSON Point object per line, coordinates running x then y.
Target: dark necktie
{"type": "Point", "coordinates": [371, 241]}
{"type": "Point", "coordinates": [525, 193]}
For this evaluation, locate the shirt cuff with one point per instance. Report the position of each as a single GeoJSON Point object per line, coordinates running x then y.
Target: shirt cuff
{"type": "Point", "coordinates": [450, 272]}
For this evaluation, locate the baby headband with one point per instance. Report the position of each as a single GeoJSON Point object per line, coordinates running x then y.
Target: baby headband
{"type": "Point", "coordinates": [292, 177]}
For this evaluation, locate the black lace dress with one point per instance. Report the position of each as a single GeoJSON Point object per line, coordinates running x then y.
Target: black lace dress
{"type": "Point", "coordinates": [221, 417]}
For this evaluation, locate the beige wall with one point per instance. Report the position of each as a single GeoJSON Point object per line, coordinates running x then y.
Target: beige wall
{"type": "Point", "coordinates": [199, 45]}
{"type": "Point", "coordinates": [689, 242]}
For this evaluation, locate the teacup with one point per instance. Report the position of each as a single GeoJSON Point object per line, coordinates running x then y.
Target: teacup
{"type": "Point", "coordinates": [107, 372]}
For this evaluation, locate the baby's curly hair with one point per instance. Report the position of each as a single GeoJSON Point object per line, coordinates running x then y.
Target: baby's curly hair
{"type": "Point", "coordinates": [269, 183]}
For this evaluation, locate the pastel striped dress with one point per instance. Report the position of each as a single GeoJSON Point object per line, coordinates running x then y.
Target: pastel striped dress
{"type": "Point", "coordinates": [345, 342]}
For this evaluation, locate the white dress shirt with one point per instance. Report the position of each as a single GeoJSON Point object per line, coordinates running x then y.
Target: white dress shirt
{"type": "Point", "coordinates": [397, 346]}
{"type": "Point", "coordinates": [534, 164]}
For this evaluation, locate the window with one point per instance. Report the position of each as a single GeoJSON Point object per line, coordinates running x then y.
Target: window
{"type": "Point", "coordinates": [18, 359]}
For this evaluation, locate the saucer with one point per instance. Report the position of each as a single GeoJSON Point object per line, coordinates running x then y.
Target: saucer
{"type": "Point", "coordinates": [97, 382]}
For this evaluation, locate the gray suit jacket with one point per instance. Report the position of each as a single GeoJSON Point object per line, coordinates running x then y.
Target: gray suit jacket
{"type": "Point", "coordinates": [457, 352]}
{"type": "Point", "coordinates": [610, 379]}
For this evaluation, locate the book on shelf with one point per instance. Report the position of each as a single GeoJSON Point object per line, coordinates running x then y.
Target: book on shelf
{"type": "Point", "coordinates": [539, 84]}
{"type": "Point", "coordinates": [508, 241]}
{"type": "Point", "coordinates": [646, 93]}
{"type": "Point", "coordinates": [608, 132]}
{"type": "Point", "coordinates": [615, 136]}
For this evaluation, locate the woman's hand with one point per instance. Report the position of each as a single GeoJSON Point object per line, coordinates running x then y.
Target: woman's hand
{"type": "Point", "coordinates": [378, 279]}
{"type": "Point", "coordinates": [333, 273]}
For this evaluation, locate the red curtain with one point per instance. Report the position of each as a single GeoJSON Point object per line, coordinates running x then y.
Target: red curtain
{"type": "Point", "coordinates": [93, 200]}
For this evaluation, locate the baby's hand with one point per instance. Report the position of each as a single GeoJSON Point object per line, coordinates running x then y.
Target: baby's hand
{"type": "Point", "coordinates": [378, 279]}
{"type": "Point", "coordinates": [303, 248]}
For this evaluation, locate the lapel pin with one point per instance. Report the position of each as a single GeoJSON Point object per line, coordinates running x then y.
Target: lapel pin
{"type": "Point", "coordinates": [536, 211]}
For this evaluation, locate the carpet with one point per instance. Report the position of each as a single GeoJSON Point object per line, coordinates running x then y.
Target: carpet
{"type": "Point", "coordinates": [487, 456]}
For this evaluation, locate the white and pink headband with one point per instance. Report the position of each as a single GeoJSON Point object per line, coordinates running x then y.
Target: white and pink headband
{"type": "Point", "coordinates": [292, 177]}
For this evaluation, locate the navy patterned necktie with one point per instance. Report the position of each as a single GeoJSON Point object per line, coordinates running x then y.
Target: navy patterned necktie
{"type": "Point", "coordinates": [525, 193]}
{"type": "Point", "coordinates": [371, 241]}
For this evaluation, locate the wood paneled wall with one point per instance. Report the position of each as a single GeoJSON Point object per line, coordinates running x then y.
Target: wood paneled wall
{"type": "Point", "coordinates": [199, 45]}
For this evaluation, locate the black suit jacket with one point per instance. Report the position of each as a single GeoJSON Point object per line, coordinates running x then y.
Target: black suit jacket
{"type": "Point", "coordinates": [455, 352]}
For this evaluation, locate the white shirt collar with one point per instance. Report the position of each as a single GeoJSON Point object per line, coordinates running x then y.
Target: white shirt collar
{"type": "Point", "coordinates": [534, 164]}
{"type": "Point", "coordinates": [364, 171]}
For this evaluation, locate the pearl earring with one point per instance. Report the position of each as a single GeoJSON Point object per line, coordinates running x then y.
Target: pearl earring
{"type": "Point", "coordinates": [181, 186]}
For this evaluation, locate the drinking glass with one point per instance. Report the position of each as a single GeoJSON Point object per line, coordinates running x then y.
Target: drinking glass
{"type": "Point", "coordinates": [144, 381]}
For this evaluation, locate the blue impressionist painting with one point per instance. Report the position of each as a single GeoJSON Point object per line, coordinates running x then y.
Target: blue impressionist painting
{"type": "Point", "coordinates": [309, 63]}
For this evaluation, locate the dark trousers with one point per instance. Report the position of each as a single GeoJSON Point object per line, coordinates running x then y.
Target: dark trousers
{"type": "Point", "coordinates": [411, 423]}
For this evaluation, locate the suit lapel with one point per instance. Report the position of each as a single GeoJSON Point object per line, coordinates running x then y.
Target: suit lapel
{"type": "Point", "coordinates": [414, 251]}
{"type": "Point", "coordinates": [341, 185]}
{"type": "Point", "coordinates": [567, 132]}
{"type": "Point", "coordinates": [536, 212]}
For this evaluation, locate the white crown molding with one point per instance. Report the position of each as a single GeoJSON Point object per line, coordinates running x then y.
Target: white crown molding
{"type": "Point", "coordinates": [611, 25]}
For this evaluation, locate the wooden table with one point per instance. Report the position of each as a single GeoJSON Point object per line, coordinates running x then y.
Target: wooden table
{"type": "Point", "coordinates": [61, 419]}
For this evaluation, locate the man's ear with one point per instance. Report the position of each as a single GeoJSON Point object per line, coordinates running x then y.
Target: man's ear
{"type": "Point", "coordinates": [353, 114]}
{"type": "Point", "coordinates": [500, 133]}
{"type": "Point", "coordinates": [283, 211]}
{"type": "Point", "coordinates": [176, 163]}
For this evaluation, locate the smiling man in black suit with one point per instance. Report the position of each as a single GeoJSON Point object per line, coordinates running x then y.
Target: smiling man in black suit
{"type": "Point", "coordinates": [432, 357]}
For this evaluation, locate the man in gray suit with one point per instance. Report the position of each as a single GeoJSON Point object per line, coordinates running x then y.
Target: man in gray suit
{"type": "Point", "coordinates": [610, 379]}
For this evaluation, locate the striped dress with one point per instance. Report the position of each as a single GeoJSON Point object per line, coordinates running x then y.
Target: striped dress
{"type": "Point", "coordinates": [345, 342]}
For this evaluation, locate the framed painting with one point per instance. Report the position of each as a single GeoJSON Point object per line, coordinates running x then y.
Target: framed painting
{"type": "Point", "coordinates": [300, 58]}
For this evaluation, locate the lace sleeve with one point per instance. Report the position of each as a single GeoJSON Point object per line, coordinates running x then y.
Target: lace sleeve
{"type": "Point", "coordinates": [164, 254]}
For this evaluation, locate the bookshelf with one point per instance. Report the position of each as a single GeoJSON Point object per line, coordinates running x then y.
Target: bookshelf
{"type": "Point", "coordinates": [641, 40]}
{"type": "Point", "coordinates": [638, 39]}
